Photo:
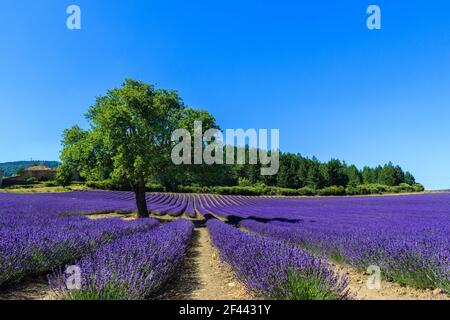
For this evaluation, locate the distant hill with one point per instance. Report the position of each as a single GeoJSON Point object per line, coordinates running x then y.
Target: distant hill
{"type": "Point", "coordinates": [11, 168]}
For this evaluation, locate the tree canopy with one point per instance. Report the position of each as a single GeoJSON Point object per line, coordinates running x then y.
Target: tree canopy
{"type": "Point", "coordinates": [129, 139]}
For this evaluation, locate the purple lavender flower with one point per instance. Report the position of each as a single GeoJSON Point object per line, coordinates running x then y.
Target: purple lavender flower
{"type": "Point", "coordinates": [133, 267]}
{"type": "Point", "coordinates": [275, 269]}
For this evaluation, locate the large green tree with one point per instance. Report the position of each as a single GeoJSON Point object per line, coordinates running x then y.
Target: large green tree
{"type": "Point", "coordinates": [134, 124]}
{"type": "Point", "coordinates": [130, 139]}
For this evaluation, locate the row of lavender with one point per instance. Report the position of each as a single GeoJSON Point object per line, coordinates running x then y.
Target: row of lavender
{"type": "Point", "coordinates": [72, 203]}
{"type": "Point", "coordinates": [408, 237]}
{"type": "Point", "coordinates": [176, 205]}
{"type": "Point", "coordinates": [274, 269]}
{"type": "Point", "coordinates": [134, 267]}
{"type": "Point", "coordinates": [40, 233]}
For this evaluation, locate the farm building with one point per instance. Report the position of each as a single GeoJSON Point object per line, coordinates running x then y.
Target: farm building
{"type": "Point", "coordinates": [40, 172]}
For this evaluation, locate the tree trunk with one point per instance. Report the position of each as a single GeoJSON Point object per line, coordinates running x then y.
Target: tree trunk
{"type": "Point", "coordinates": [139, 191]}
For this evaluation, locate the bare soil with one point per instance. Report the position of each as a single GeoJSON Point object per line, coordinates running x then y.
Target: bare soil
{"type": "Point", "coordinates": [111, 215]}
{"type": "Point", "coordinates": [133, 216]}
{"type": "Point", "coordinates": [204, 276]}
{"type": "Point", "coordinates": [388, 291]}
{"type": "Point", "coordinates": [30, 289]}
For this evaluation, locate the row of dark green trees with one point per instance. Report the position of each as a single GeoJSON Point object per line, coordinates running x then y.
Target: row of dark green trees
{"type": "Point", "coordinates": [297, 176]}
{"type": "Point", "coordinates": [297, 171]}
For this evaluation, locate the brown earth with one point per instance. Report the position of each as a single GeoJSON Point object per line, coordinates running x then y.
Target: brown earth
{"type": "Point", "coordinates": [388, 291]}
{"type": "Point", "coordinates": [30, 289]}
{"type": "Point", "coordinates": [204, 276]}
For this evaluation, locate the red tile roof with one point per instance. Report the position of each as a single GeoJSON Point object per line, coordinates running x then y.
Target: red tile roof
{"type": "Point", "coordinates": [39, 168]}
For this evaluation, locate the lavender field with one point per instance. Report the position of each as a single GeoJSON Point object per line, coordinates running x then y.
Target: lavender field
{"type": "Point", "coordinates": [281, 248]}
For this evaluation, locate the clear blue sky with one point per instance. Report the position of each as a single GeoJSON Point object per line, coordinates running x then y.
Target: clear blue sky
{"type": "Point", "coordinates": [310, 68]}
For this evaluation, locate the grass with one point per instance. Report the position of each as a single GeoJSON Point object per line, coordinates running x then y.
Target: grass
{"type": "Point", "coordinates": [110, 291]}
{"type": "Point", "coordinates": [300, 286]}
{"type": "Point", "coordinates": [411, 272]}
{"type": "Point", "coordinates": [42, 188]}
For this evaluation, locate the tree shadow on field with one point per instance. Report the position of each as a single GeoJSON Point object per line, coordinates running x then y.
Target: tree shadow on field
{"type": "Point", "coordinates": [187, 278]}
{"type": "Point", "coordinates": [236, 220]}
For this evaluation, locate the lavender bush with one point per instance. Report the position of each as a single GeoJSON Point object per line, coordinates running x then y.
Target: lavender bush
{"type": "Point", "coordinates": [275, 269]}
{"type": "Point", "coordinates": [406, 236]}
{"type": "Point", "coordinates": [34, 238]}
{"type": "Point", "coordinates": [133, 267]}
{"type": "Point", "coordinates": [404, 255]}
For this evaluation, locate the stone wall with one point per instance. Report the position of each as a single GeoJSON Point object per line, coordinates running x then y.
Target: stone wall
{"type": "Point", "coordinates": [40, 175]}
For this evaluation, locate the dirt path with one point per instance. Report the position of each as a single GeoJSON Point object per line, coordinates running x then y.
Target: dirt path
{"type": "Point", "coordinates": [388, 291]}
{"type": "Point", "coordinates": [203, 276]}
{"type": "Point", "coordinates": [32, 289]}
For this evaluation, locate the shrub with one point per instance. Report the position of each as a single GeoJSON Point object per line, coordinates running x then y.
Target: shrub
{"type": "Point", "coordinates": [32, 180]}
{"type": "Point", "coordinates": [402, 188]}
{"type": "Point", "coordinates": [121, 185]}
{"type": "Point", "coordinates": [236, 190]}
{"type": "Point", "coordinates": [332, 191]}
{"type": "Point", "coordinates": [102, 185]}
{"type": "Point", "coordinates": [154, 187]}
{"type": "Point", "coordinates": [306, 191]}
{"type": "Point", "coordinates": [288, 192]}
{"type": "Point", "coordinates": [351, 190]}
{"type": "Point", "coordinates": [261, 189]}
{"type": "Point", "coordinates": [244, 182]}
{"type": "Point", "coordinates": [63, 175]}
{"type": "Point", "coordinates": [366, 189]}
{"type": "Point", "coordinates": [192, 189]}
{"type": "Point", "coordinates": [417, 187]}
{"type": "Point", "coordinates": [51, 183]}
